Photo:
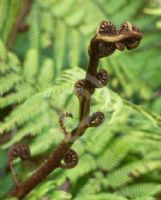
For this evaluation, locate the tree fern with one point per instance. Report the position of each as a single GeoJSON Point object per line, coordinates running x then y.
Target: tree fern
{"type": "Point", "coordinates": [121, 159]}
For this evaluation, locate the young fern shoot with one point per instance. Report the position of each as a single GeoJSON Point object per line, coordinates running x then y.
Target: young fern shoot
{"type": "Point", "coordinates": [104, 43]}
{"type": "Point", "coordinates": [21, 151]}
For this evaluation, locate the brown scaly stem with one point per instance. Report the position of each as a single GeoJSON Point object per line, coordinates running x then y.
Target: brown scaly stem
{"type": "Point", "coordinates": [51, 163]}
{"type": "Point", "coordinates": [104, 43]}
{"type": "Point", "coordinates": [88, 87]}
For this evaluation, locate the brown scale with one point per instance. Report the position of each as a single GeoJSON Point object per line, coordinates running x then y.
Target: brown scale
{"type": "Point", "coordinates": [78, 87]}
{"type": "Point", "coordinates": [106, 28]}
{"type": "Point", "coordinates": [130, 43]}
{"type": "Point", "coordinates": [96, 119]}
{"type": "Point", "coordinates": [61, 121]}
{"type": "Point", "coordinates": [70, 159]}
{"type": "Point", "coordinates": [22, 151]}
{"type": "Point", "coordinates": [102, 77]}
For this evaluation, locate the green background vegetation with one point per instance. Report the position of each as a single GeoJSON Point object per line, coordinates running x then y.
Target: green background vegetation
{"type": "Point", "coordinates": [122, 158]}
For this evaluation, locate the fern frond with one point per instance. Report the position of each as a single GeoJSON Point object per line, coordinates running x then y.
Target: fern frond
{"type": "Point", "coordinates": [60, 9]}
{"type": "Point", "coordinates": [23, 92]}
{"type": "Point", "coordinates": [45, 140]}
{"type": "Point", "coordinates": [3, 12]}
{"type": "Point", "coordinates": [129, 172]}
{"type": "Point", "coordinates": [101, 196]}
{"type": "Point", "coordinates": [23, 113]}
{"type": "Point", "coordinates": [74, 42]}
{"type": "Point", "coordinates": [33, 20]}
{"type": "Point", "coordinates": [12, 12]}
{"type": "Point", "coordinates": [3, 51]}
{"type": "Point", "coordinates": [32, 128]}
{"type": "Point", "coordinates": [140, 190]}
{"type": "Point", "coordinates": [7, 82]}
{"type": "Point", "coordinates": [154, 118]}
{"type": "Point", "coordinates": [116, 152]}
{"type": "Point", "coordinates": [47, 73]}
{"type": "Point", "coordinates": [60, 37]}
{"type": "Point", "coordinates": [86, 165]}
{"type": "Point", "coordinates": [103, 137]}
{"type": "Point", "coordinates": [31, 65]}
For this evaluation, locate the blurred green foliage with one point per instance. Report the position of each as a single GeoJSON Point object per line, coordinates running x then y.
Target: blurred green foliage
{"type": "Point", "coordinates": [122, 159]}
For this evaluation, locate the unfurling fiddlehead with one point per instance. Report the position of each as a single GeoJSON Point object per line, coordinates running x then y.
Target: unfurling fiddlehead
{"type": "Point", "coordinates": [96, 119]}
{"type": "Point", "coordinates": [103, 49]}
{"type": "Point", "coordinates": [133, 42]}
{"type": "Point", "coordinates": [99, 81]}
{"type": "Point", "coordinates": [102, 78]}
{"type": "Point", "coordinates": [61, 121]}
{"type": "Point", "coordinates": [128, 36]}
{"type": "Point", "coordinates": [70, 159]}
{"type": "Point", "coordinates": [78, 88]}
{"type": "Point", "coordinates": [22, 151]}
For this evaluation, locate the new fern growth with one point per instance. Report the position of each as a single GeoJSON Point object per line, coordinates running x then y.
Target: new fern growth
{"type": "Point", "coordinates": [104, 43]}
